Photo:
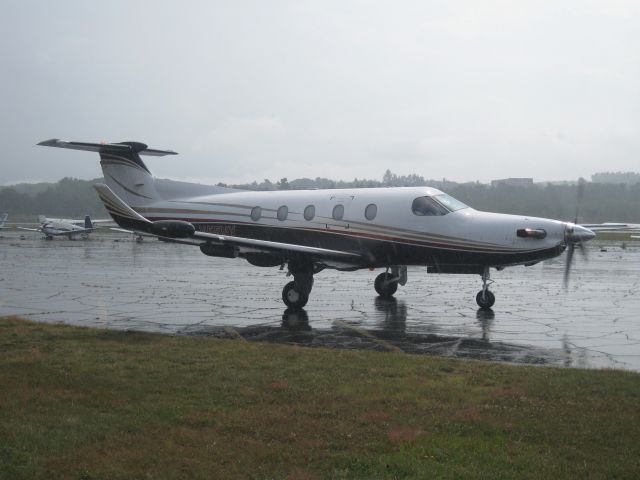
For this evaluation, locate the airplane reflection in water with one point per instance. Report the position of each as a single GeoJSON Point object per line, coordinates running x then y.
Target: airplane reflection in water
{"type": "Point", "coordinates": [391, 334]}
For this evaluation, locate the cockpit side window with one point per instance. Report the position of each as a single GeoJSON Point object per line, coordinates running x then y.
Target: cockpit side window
{"type": "Point", "coordinates": [428, 207]}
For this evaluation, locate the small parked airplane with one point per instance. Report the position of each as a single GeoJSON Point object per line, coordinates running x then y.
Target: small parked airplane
{"type": "Point", "coordinates": [310, 230]}
{"type": "Point", "coordinates": [55, 227]}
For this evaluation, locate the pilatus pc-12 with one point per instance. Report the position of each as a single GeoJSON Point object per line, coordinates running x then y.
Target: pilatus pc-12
{"type": "Point", "coordinates": [307, 231]}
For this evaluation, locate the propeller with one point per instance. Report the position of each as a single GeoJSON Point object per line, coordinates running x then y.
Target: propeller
{"type": "Point", "coordinates": [575, 236]}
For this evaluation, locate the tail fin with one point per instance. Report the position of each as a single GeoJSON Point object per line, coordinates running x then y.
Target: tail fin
{"type": "Point", "coordinates": [87, 223]}
{"type": "Point", "coordinates": [122, 213]}
{"type": "Point", "coordinates": [42, 219]}
{"type": "Point", "coordinates": [3, 219]}
{"type": "Point", "coordinates": [124, 171]}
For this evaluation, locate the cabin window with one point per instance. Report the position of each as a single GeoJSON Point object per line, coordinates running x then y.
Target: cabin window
{"type": "Point", "coordinates": [283, 213]}
{"type": "Point", "coordinates": [256, 213]}
{"type": "Point", "coordinates": [371, 211]}
{"type": "Point", "coordinates": [309, 212]}
{"type": "Point", "coordinates": [428, 207]}
{"type": "Point", "coordinates": [338, 212]}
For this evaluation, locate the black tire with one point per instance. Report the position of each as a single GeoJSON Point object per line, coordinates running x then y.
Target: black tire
{"type": "Point", "coordinates": [485, 301]}
{"type": "Point", "coordinates": [292, 298]}
{"type": "Point", "coordinates": [384, 287]}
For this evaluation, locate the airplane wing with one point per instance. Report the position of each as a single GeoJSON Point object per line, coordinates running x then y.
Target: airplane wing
{"type": "Point", "coordinates": [612, 227]}
{"type": "Point", "coordinates": [29, 229]}
{"type": "Point", "coordinates": [70, 232]}
{"type": "Point", "coordinates": [132, 232]}
{"type": "Point", "coordinates": [254, 245]}
{"type": "Point", "coordinates": [184, 232]}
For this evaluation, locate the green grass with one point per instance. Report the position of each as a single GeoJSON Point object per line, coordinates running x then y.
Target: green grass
{"type": "Point", "coordinates": [88, 404]}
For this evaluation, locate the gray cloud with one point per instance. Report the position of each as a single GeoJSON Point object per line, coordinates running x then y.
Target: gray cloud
{"type": "Point", "coordinates": [248, 90]}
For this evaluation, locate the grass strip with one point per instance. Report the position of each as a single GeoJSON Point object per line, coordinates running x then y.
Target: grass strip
{"type": "Point", "coordinates": [83, 403]}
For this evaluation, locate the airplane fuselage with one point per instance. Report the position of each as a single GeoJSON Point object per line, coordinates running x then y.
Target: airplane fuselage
{"type": "Point", "coordinates": [378, 221]}
{"type": "Point", "coordinates": [52, 228]}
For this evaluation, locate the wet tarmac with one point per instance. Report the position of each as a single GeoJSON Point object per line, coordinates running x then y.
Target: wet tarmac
{"type": "Point", "coordinates": [169, 288]}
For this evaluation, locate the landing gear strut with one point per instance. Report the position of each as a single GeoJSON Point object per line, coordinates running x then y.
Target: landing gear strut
{"type": "Point", "coordinates": [386, 283]}
{"type": "Point", "coordinates": [296, 294]}
{"type": "Point", "coordinates": [485, 298]}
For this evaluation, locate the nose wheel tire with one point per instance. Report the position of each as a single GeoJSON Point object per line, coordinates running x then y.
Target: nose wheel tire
{"type": "Point", "coordinates": [292, 298]}
{"type": "Point", "coordinates": [385, 286]}
{"type": "Point", "coordinates": [485, 299]}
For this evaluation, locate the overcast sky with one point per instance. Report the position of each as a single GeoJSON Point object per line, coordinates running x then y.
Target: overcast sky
{"type": "Point", "coordinates": [247, 90]}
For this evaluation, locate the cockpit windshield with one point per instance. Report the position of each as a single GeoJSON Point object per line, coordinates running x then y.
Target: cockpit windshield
{"type": "Point", "coordinates": [436, 206]}
{"type": "Point", "coordinates": [451, 203]}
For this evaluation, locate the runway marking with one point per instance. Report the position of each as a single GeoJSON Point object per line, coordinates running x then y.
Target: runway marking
{"type": "Point", "coordinates": [369, 335]}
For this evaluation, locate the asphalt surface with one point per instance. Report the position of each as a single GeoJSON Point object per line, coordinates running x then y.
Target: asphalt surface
{"type": "Point", "coordinates": [175, 289]}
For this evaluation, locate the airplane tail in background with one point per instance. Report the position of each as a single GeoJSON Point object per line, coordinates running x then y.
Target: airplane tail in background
{"type": "Point", "coordinates": [3, 219]}
{"type": "Point", "coordinates": [124, 171]}
{"type": "Point", "coordinates": [42, 219]}
{"type": "Point", "coordinates": [87, 223]}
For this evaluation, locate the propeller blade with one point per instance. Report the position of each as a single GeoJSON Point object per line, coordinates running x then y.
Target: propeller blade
{"type": "Point", "coordinates": [567, 266]}
{"type": "Point", "coordinates": [581, 183]}
{"type": "Point", "coordinates": [583, 250]}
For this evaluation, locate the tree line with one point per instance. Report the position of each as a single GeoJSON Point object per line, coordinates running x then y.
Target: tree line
{"type": "Point", "coordinates": [602, 202]}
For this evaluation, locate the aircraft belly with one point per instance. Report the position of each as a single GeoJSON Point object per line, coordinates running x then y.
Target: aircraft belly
{"type": "Point", "coordinates": [382, 251]}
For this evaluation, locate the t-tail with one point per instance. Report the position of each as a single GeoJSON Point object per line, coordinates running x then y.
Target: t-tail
{"type": "Point", "coordinates": [124, 171]}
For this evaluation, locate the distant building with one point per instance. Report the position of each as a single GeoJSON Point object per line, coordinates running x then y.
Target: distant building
{"type": "Point", "coordinates": [512, 182]}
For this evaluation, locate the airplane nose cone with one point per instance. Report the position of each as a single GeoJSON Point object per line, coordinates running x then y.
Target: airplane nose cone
{"type": "Point", "coordinates": [577, 233]}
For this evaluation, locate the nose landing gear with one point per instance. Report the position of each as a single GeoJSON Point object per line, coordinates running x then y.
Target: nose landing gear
{"type": "Point", "coordinates": [386, 283]}
{"type": "Point", "coordinates": [485, 298]}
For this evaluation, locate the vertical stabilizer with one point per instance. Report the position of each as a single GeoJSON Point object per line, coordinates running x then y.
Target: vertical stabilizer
{"type": "Point", "coordinates": [126, 174]}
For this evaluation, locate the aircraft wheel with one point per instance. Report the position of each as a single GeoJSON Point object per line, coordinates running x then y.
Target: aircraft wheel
{"type": "Point", "coordinates": [292, 298]}
{"type": "Point", "coordinates": [384, 286]}
{"type": "Point", "coordinates": [487, 300]}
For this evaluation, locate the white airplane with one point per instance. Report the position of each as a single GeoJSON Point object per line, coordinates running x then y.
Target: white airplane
{"type": "Point", "coordinates": [310, 230]}
{"type": "Point", "coordinates": [56, 227]}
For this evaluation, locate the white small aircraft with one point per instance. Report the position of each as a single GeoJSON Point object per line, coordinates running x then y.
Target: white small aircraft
{"type": "Point", "coordinates": [310, 230]}
{"type": "Point", "coordinates": [56, 227]}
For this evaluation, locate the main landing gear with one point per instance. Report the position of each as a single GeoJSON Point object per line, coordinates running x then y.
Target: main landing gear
{"type": "Point", "coordinates": [386, 283]}
{"type": "Point", "coordinates": [485, 298]}
{"type": "Point", "coordinates": [296, 294]}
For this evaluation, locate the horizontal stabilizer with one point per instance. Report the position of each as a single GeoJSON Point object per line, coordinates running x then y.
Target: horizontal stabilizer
{"type": "Point", "coordinates": [139, 148]}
